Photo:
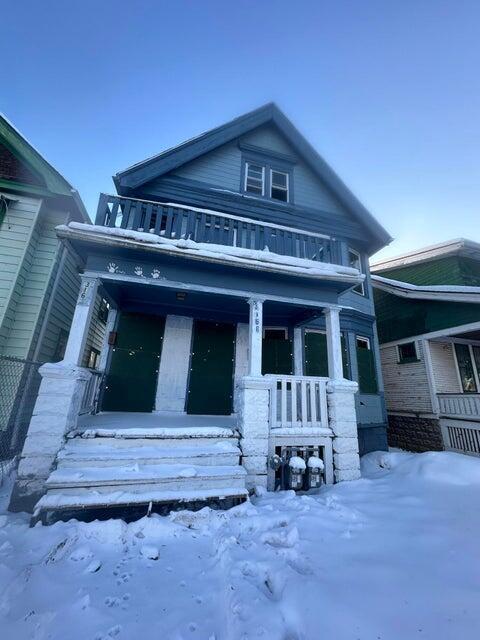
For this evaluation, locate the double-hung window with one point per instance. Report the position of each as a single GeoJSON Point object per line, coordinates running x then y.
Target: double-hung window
{"type": "Point", "coordinates": [263, 180]}
{"type": "Point", "coordinates": [355, 261]}
{"type": "Point", "coordinates": [279, 185]}
{"type": "Point", "coordinates": [255, 178]}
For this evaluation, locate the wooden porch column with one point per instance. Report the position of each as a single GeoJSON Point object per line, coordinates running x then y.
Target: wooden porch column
{"type": "Point", "coordinates": [255, 334]}
{"type": "Point", "coordinates": [81, 320]}
{"type": "Point", "coordinates": [334, 344]}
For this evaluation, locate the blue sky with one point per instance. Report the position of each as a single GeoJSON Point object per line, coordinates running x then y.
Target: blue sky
{"type": "Point", "coordinates": [388, 92]}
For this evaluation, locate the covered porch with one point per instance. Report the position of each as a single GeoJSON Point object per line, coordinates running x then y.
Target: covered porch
{"type": "Point", "coordinates": [455, 359]}
{"type": "Point", "coordinates": [197, 335]}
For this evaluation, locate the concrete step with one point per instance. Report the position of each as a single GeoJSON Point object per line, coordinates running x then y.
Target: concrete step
{"type": "Point", "coordinates": [58, 499]}
{"type": "Point", "coordinates": [80, 453]}
{"type": "Point", "coordinates": [139, 477]}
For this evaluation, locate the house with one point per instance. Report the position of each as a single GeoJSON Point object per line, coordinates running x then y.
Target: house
{"type": "Point", "coordinates": [240, 345]}
{"type": "Point", "coordinates": [39, 279]}
{"type": "Point", "coordinates": [427, 305]}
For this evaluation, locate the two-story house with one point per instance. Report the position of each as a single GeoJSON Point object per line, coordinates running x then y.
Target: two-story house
{"type": "Point", "coordinates": [427, 304]}
{"type": "Point", "coordinates": [39, 279]}
{"type": "Point", "coordinates": [241, 346]}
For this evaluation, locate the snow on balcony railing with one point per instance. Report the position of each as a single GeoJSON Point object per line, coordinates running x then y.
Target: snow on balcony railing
{"type": "Point", "coordinates": [176, 221]}
{"type": "Point", "coordinates": [459, 405]}
{"type": "Point", "coordinates": [298, 401]}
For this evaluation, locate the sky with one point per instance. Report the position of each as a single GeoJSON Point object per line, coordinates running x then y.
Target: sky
{"type": "Point", "coordinates": [387, 91]}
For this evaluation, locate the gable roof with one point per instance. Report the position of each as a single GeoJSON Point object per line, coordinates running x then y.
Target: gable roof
{"type": "Point", "coordinates": [458, 246]}
{"type": "Point", "coordinates": [55, 183]}
{"type": "Point", "coordinates": [439, 293]}
{"type": "Point", "coordinates": [142, 172]}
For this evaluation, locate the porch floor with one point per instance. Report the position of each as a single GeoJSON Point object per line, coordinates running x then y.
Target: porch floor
{"type": "Point", "coordinates": [161, 420]}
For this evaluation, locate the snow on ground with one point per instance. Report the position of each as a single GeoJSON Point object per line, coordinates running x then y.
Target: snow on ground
{"type": "Point", "coordinates": [393, 556]}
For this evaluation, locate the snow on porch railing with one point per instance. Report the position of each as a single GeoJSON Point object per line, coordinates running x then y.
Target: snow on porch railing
{"type": "Point", "coordinates": [298, 401]}
{"type": "Point", "coordinates": [203, 225]}
{"type": "Point", "coordinates": [465, 405]}
{"type": "Point", "coordinates": [91, 392]}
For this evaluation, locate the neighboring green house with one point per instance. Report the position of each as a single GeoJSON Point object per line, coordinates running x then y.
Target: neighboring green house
{"type": "Point", "coordinates": [39, 279]}
{"type": "Point", "coordinates": [428, 313]}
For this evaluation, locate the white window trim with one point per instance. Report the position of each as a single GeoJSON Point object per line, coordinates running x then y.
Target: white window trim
{"type": "Point", "coordinates": [399, 359]}
{"type": "Point", "coordinates": [287, 189]}
{"type": "Point", "coordinates": [247, 164]}
{"type": "Point", "coordinates": [362, 284]}
{"type": "Point", "coordinates": [365, 339]}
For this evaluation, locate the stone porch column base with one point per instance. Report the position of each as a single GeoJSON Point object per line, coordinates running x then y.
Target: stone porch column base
{"type": "Point", "coordinates": [55, 413]}
{"type": "Point", "coordinates": [342, 420]}
{"type": "Point", "coordinates": [254, 424]}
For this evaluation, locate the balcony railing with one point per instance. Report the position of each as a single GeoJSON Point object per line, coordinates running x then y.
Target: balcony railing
{"type": "Point", "coordinates": [460, 405]}
{"type": "Point", "coordinates": [178, 221]}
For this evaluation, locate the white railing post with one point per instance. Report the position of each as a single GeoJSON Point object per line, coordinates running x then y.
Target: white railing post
{"type": "Point", "coordinates": [81, 321]}
{"type": "Point", "coordinates": [334, 343]}
{"type": "Point", "coordinates": [255, 333]}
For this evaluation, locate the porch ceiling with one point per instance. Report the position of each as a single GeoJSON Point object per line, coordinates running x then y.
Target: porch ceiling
{"type": "Point", "coordinates": [140, 298]}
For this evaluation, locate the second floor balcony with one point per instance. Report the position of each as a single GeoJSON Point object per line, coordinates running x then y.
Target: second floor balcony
{"type": "Point", "coordinates": [175, 221]}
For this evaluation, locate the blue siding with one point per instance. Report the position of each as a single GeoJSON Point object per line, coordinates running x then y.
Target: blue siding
{"type": "Point", "coordinates": [222, 168]}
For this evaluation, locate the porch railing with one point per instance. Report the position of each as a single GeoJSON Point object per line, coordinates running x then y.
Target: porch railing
{"type": "Point", "coordinates": [298, 401]}
{"type": "Point", "coordinates": [90, 395]}
{"type": "Point", "coordinates": [178, 221]}
{"type": "Point", "coordinates": [459, 405]}
{"type": "Point", "coordinates": [464, 438]}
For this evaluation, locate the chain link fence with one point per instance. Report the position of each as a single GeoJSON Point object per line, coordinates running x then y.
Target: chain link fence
{"type": "Point", "coordinates": [19, 383]}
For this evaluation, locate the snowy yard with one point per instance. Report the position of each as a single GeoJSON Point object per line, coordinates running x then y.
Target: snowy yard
{"type": "Point", "coordinates": [395, 555]}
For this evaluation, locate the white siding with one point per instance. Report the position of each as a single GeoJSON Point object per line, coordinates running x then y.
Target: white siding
{"type": "Point", "coordinates": [16, 233]}
{"type": "Point", "coordinates": [406, 385]}
{"type": "Point", "coordinates": [444, 369]}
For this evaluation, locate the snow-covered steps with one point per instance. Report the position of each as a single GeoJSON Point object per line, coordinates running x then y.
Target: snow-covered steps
{"type": "Point", "coordinates": [100, 466]}
{"type": "Point", "coordinates": [56, 500]}
{"type": "Point", "coordinates": [167, 477]}
{"type": "Point", "coordinates": [80, 453]}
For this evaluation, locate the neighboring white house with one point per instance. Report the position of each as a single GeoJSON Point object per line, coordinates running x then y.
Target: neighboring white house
{"type": "Point", "coordinates": [428, 310]}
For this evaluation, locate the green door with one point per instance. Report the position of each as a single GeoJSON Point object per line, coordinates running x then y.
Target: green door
{"type": "Point", "coordinates": [277, 352]}
{"type": "Point", "coordinates": [210, 388]}
{"type": "Point", "coordinates": [131, 382]}
{"type": "Point", "coordinates": [316, 358]}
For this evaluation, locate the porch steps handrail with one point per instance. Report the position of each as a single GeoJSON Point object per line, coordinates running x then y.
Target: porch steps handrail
{"type": "Point", "coordinates": [459, 404]}
{"type": "Point", "coordinates": [176, 221]}
{"type": "Point", "coordinates": [298, 401]}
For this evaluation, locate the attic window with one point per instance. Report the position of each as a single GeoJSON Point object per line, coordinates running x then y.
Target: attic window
{"type": "Point", "coordinates": [255, 178]}
{"type": "Point", "coordinates": [279, 185]}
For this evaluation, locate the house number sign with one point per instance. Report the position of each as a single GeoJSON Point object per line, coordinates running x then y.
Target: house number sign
{"type": "Point", "coordinates": [86, 292]}
{"type": "Point", "coordinates": [256, 316]}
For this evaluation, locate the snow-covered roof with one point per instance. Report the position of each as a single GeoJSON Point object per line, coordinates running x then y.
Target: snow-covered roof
{"type": "Point", "coordinates": [237, 256]}
{"type": "Point", "coordinates": [442, 293]}
{"type": "Point", "coordinates": [449, 247]}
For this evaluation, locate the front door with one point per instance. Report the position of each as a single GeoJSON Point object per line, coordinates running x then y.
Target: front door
{"type": "Point", "coordinates": [210, 388]}
{"type": "Point", "coordinates": [277, 352]}
{"type": "Point", "coordinates": [131, 382]}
